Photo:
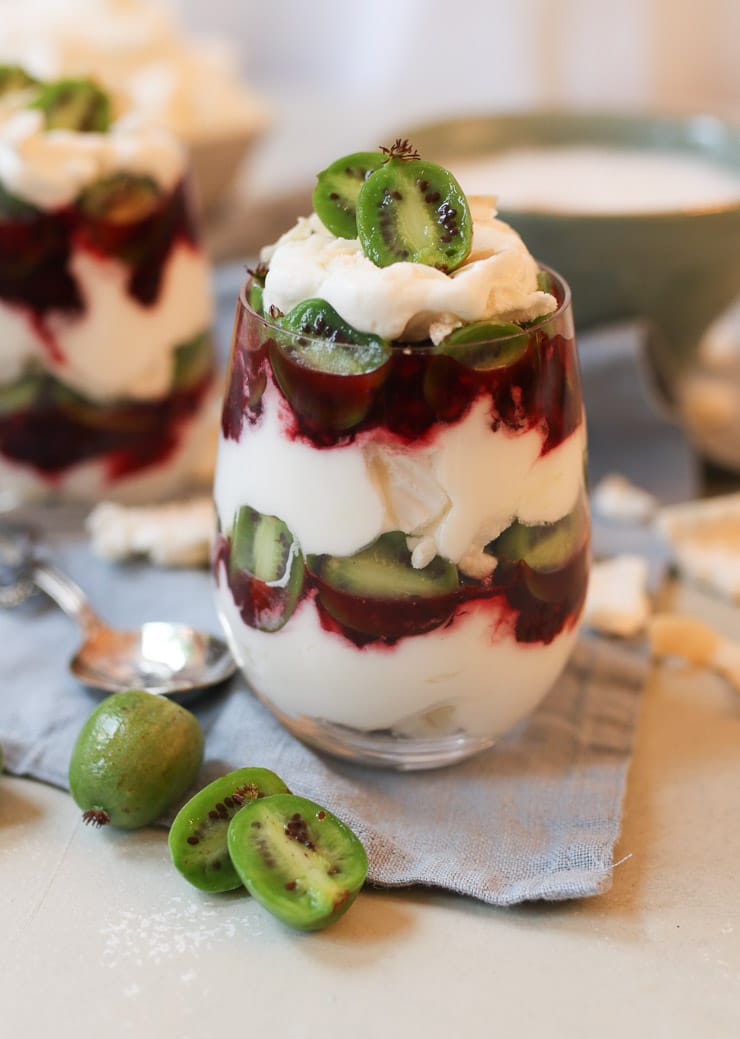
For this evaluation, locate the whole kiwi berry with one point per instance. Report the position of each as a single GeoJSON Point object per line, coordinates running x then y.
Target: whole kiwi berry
{"type": "Point", "coordinates": [136, 755]}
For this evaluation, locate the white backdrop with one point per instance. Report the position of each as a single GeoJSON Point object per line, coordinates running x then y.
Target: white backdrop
{"type": "Point", "coordinates": [344, 75]}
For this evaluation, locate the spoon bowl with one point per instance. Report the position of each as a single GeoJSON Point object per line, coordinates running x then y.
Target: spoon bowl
{"type": "Point", "coordinates": [172, 660]}
{"type": "Point", "coordinates": [164, 658]}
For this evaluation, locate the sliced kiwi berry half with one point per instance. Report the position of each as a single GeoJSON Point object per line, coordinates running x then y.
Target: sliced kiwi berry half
{"type": "Point", "coordinates": [192, 362]}
{"type": "Point", "coordinates": [301, 862]}
{"type": "Point", "coordinates": [377, 592]}
{"type": "Point", "coordinates": [74, 104]}
{"type": "Point", "coordinates": [197, 838]}
{"type": "Point", "coordinates": [544, 549]}
{"type": "Point", "coordinates": [121, 198]}
{"type": "Point", "coordinates": [266, 569]}
{"type": "Point", "coordinates": [15, 77]}
{"type": "Point", "coordinates": [338, 188]}
{"type": "Point", "coordinates": [486, 345]}
{"type": "Point", "coordinates": [328, 371]}
{"type": "Point", "coordinates": [330, 343]}
{"type": "Point", "coordinates": [22, 394]}
{"type": "Point", "coordinates": [415, 211]}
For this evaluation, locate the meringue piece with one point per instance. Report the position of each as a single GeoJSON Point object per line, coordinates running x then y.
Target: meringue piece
{"type": "Point", "coordinates": [704, 537]}
{"type": "Point", "coordinates": [690, 639]}
{"type": "Point", "coordinates": [178, 534]}
{"type": "Point", "coordinates": [617, 602]}
{"type": "Point", "coordinates": [617, 499]}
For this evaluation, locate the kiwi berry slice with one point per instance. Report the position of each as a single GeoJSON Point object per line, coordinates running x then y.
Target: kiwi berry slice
{"type": "Point", "coordinates": [337, 189]}
{"type": "Point", "coordinates": [486, 345]}
{"type": "Point", "coordinates": [122, 198]}
{"type": "Point", "coordinates": [193, 362]}
{"type": "Point", "coordinates": [331, 345]}
{"type": "Point", "coordinates": [544, 547]}
{"type": "Point", "coordinates": [197, 837]}
{"type": "Point", "coordinates": [21, 394]}
{"type": "Point", "coordinates": [378, 593]}
{"type": "Point", "coordinates": [256, 287]}
{"type": "Point", "coordinates": [383, 570]}
{"type": "Point", "coordinates": [14, 77]}
{"type": "Point", "coordinates": [410, 210]}
{"type": "Point", "coordinates": [299, 860]}
{"type": "Point", "coordinates": [266, 568]}
{"type": "Point", "coordinates": [74, 104]}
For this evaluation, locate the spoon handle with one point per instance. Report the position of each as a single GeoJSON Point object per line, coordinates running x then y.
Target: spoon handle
{"type": "Point", "coordinates": [66, 593]}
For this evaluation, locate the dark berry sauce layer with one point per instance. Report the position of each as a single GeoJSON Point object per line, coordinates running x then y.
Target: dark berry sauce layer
{"type": "Point", "coordinates": [56, 433]}
{"type": "Point", "coordinates": [529, 606]}
{"type": "Point", "coordinates": [415, 390]}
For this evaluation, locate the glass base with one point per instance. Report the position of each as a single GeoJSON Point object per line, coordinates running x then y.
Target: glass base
{"type": "Point", "coordinates": [382, 749]}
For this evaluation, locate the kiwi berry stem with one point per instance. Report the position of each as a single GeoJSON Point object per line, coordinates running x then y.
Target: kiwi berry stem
{"type": "Point", "coordinates": [401, 149]}
{"type": "Point", "coordinates": [95, 817]}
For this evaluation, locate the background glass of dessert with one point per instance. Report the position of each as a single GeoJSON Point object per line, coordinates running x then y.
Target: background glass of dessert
{"type": "Point", "coordinates": [106, 360]}
{"type": "Point", "coordinates": [404, 537]}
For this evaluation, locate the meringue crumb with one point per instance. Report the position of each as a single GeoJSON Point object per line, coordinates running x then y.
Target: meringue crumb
{"type": "Point", "coordinates": [618, 499]}
{"type": "Point", "coordinates": [423, 550]}
{"type": "Point", "coordinates": [178, 534]}
{"type": "Point", "coordinates": [704, 537]}
{"type": "Point", "coordinates": [617, 602]}
{"type": "Point", "coordinates": [695, 642]}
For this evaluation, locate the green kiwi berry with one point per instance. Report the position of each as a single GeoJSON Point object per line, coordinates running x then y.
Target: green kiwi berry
{"type": "Point", "coordinates": [136, 755]}
{"type": "Point", "coordinates": [413, 211]}
{"type": "Point", "coordinates": [197, 838]}
{"type": "Point", "coordinates": [301, 862]}
{"type": "Point", "coordinates": [338, 188]}
{"type": "Point", "coordinates": [74, 104]}
{"type": "Point", "coordinates": [15, 77]}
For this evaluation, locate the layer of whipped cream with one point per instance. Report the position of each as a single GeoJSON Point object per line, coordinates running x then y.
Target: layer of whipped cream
{"type": "Point", "coordinates": [49, 168]}
{"type": "Point", "coordinates": [408, 301]}
{"type": "Point", "coordinates": [117, 347]}
{"type": "Point", "coordinates": [338, 500]}
{"type": "Point", "coordinates": [434, 684]}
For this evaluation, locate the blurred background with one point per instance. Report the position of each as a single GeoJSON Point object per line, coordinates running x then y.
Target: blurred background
{"type": "Point", "coordinates": [340, 77]}
{"type": "Point", "coordinates": [310, 81]}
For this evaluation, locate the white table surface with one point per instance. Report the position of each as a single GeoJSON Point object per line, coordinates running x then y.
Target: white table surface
{"type": "Point", "coordinates": [100, 936]}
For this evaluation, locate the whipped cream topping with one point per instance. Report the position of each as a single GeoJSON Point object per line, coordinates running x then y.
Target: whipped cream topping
{"type": "Point", "coordinates": [408, 301]}
{"type": "Point", "coordinates": [49, 168]}
{"type": "Point", "coordinates": [190, 86]}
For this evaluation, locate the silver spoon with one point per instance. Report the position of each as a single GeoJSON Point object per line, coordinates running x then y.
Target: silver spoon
{"type": "Point", "coordinates": [172, 660]}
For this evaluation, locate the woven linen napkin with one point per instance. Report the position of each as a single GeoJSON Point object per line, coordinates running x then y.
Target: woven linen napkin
{"type": "Point", "coordinates": [535, 817]}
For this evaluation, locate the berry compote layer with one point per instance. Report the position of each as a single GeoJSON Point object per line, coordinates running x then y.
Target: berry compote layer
{"type": "Point", "coordinates": [106, 365]}
{"type": "Point", "coordinates": [403, 550]}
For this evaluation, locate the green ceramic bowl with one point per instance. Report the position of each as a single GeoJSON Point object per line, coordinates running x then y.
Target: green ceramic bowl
{"type": "Point", "coordinates": [677, 269]}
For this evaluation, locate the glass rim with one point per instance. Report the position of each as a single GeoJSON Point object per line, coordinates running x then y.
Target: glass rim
{"type": "Point", "coordinates": [424, 346]}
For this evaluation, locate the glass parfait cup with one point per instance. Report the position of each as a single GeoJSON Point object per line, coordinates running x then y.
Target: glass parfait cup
{"type": "Point", "coordinates": [403, 546]}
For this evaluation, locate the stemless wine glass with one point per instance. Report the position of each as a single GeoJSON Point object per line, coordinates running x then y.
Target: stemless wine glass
{"type": "Point", "coordinates": [403, 547]}
{"type": "Point", "coordinates": [107, 367]}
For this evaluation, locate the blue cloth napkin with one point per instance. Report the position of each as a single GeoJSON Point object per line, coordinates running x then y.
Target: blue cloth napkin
{"type": "Point", "coordinates": [536, 817]}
